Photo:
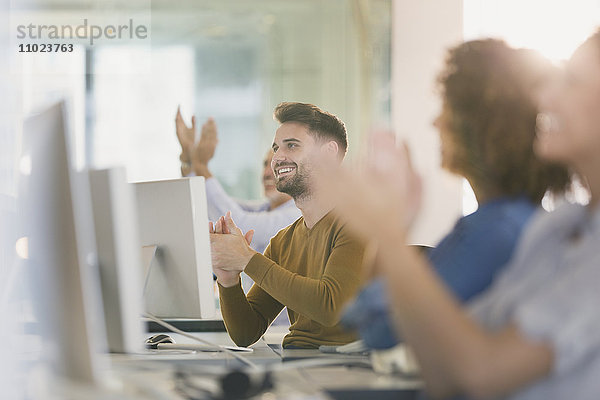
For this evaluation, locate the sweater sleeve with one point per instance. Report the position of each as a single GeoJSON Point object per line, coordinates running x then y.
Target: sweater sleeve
{"type": "Point", "coordinates": [318, 299]}
{"type": "Point", "coordinates": [247, 317]}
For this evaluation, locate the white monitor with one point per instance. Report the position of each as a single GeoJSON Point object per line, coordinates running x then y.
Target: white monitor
{"type": "Point", "coordinates": [61, 254]}
{"type": "Point", "coordinates": [119, 258]}
{"type": "Point", "coordinates": [173, 217]}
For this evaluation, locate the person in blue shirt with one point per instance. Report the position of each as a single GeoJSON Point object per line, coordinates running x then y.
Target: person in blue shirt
{"type": "Point", "coordinates": [533, 334]}
{"type": "Point", "coordinates": [487, 129]}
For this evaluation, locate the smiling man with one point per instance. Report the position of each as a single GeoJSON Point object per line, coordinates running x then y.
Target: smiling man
{"type": "Point", "coordinates": [312, 266]}
{"type": "Point", "coordinates": [266, 218]}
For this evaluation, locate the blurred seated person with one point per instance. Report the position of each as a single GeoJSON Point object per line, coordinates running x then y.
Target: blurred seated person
{"type": "Point", "coordinates": [533, 334]}
{"type": "Point", "coordinates": [487, 131]}
{"type": "Point", "coordinates": [265, 218]}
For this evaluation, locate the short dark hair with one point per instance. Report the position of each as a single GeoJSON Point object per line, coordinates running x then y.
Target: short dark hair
{"type": "Point", "coordinates": [321, 124]}
{"type": "Point", "coordinates": [488, 87]}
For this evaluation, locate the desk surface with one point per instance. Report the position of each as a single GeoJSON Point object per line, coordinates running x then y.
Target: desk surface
{"type": "Point", "coordinates": [350, 378]}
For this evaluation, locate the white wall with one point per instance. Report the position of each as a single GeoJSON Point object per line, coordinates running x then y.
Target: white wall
{"type": "Point", "coordinates": [421, 33]}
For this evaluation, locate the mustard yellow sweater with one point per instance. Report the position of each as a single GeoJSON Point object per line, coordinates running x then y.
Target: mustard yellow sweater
{"type": "Point", "coordinates": [313, 272]}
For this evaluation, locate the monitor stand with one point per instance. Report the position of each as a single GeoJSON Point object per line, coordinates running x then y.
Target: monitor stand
{"type": "Point", "coordinates": [185, 324]}
{"type": "Point", "coordinates": [188, 325]}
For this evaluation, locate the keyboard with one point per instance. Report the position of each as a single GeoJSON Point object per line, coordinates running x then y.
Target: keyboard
{"type": "Point", "coordinates": [351, 348]}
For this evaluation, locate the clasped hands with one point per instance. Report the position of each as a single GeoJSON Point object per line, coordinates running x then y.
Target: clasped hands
{"type": "Point", "coordinates": [230, 250]}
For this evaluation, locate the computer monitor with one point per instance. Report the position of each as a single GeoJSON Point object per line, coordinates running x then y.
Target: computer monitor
{"type": "Point", "coordinates": [61, 251]}
{"type": "Point", "coordinates": [119, 258]}
{"type": "Point", "coordinates": [173, 217]}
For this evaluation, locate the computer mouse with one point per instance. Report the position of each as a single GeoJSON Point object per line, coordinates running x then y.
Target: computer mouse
{"type": "Point", "coordinates": [153, 341]}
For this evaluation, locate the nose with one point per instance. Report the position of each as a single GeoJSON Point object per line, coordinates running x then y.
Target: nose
{"type": "Point", "coordinates": [436, 122]}
{"type": "Point", "coordinates": [277, 157]}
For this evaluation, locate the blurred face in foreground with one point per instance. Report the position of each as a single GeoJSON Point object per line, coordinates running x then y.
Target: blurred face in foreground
{"type": "Point", "coordinates": [569, 128]}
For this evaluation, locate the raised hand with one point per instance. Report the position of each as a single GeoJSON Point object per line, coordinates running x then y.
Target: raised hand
{"type": "Point", "coordinates": [204, 150]}
{"type": "Point", "coordinates": [185, 135]}
{"type": "Point", "coordinates": [382, 198]}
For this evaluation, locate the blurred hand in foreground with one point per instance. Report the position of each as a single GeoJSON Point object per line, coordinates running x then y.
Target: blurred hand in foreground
{"type": "Point", "coordinates": [382, 197]}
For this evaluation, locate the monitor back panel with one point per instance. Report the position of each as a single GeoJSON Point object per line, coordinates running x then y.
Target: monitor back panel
{"type": "Point", "coordinates": [172, 215]}
{"type": "Point", "coordinates": [119, 258]}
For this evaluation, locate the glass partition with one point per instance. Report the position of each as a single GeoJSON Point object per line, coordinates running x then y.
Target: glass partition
{"type": "Point", "coordinates": [235, 61]}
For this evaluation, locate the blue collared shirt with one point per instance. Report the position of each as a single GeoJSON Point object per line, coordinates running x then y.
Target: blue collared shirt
{"type": "Point", "coordinates": [551, 292]}
{"type": "Point", "coordinates": [467, 259]}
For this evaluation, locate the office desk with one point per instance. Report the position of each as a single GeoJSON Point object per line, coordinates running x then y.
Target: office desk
{"type": "Point", "coordinates": [291, 372]}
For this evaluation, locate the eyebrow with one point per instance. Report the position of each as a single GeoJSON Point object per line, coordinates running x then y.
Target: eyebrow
{"type": "Point", "coordinates": [291, 140]}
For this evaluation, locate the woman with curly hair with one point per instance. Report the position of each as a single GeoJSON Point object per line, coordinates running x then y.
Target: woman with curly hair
{"type": "Point", "coordinates": [534, 333]}
{"type": "Point", "coordinates": [487, 132]}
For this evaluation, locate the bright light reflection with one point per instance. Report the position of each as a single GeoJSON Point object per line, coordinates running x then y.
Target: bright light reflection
{"type": "Point", "coordinates": [553, 27]}
{"type": "Point", "coordinates": [22, 248]}
{"type": "Point", "coordinates": [25, 165]}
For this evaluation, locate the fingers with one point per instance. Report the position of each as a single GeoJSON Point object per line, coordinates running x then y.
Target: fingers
{"type": "Point", "coordinates": [376, 195]}
{"type": "Point", "coordinates": [248, 236]}
{"type": "Point", "coordinates": [231, 226]}
{"type": "Point", "coordinates": [224, 226]}
{"type": "Point", "coordinates": [181, 125]}
{"type": "Point", "coordinates": [382, 139]}
{"type": "Point", "coordinates": [209, 131]}
{"type": "Point", "coordinates": [179, 119]}
{"type": "Point", "coordinates": [221, 226]}
{"type": "Point", "coordinates": [383, 156]}
{"type": "Point", "coordinates": [185, 135]}
{"type": "Point", "coordinates": [406, 150]}
{"type": "Point", "coordinates": [369, 265]}
{"type": "Point", "coordinates": [413, 180]}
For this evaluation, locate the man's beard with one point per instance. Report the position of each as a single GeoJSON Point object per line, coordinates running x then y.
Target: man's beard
{"type": "Point", "coordinates": [296, 186]}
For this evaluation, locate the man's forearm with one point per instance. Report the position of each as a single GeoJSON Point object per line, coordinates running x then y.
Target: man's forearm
{"type": "Point", "coordinates": [319, 299]}
{"type": "Point", "coordinates": [244, 325]}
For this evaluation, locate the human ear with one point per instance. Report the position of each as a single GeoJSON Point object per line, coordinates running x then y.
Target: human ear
{"type": "Point", "coordinates": [331, 147]}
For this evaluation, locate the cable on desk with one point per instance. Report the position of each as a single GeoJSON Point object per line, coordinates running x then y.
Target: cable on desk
{"type": "Point", "coordinates": [184, 386]}
{"type": "Point", "coordinates": [206, 342]}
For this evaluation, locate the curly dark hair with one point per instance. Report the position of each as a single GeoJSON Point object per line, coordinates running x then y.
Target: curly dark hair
{"type": "Point", "coordinates": [319, 123]}
{"type": "Point", "coordinates": [489, 88]}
